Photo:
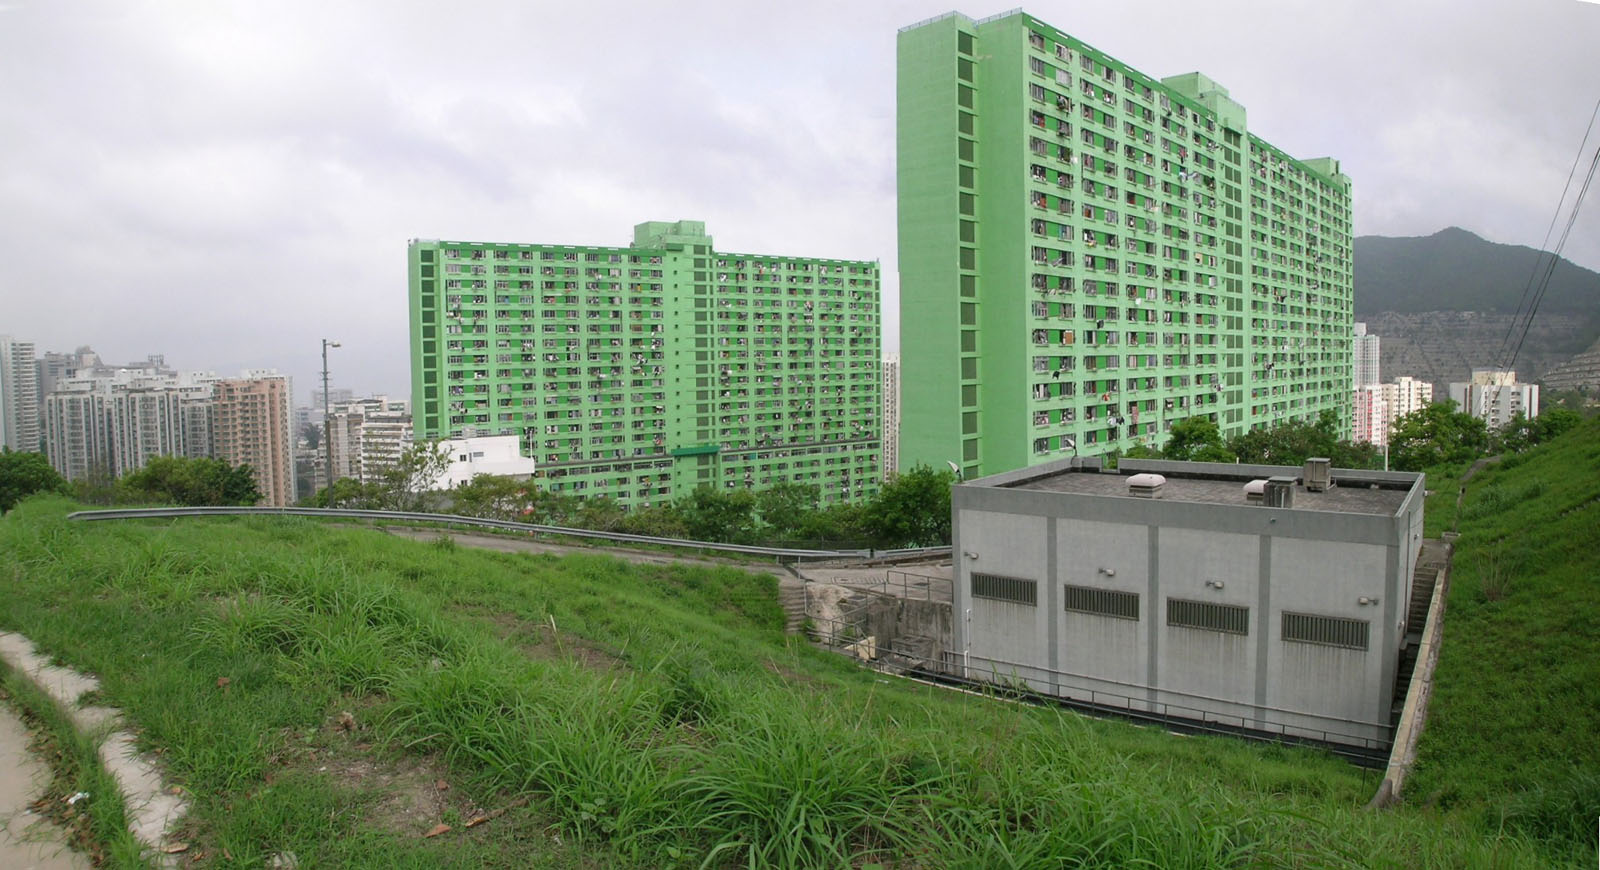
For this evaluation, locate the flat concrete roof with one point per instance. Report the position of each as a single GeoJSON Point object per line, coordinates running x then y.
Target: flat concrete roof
{"type": "Point", "coordinates": [1352, 498]}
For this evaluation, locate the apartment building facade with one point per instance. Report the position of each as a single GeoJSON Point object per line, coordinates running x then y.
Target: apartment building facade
{"type": "Point", "coordinates": [891, 414]}
{"type": "Point", "coordinates": [106, 422]}
{"type": "Point", "coordinates": [642, 372]}
{"type": "Point", "coordinates": [251, 418]}
{"type": "Point", "coordinates": [1365, 355]}
{"type": "Point", "coordinates": [368, 435]}
{"type": "Point", "coordinates": [1496, 397]}
{"type": "Point", "coordinates": [1089, 254]}
{"type": "Point", "coordinates": [19, 396]}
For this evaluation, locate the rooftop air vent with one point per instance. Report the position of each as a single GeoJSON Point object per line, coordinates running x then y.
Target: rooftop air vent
{"type": "Point", "coordinates": [1254, 490]}
{"type": "Point", "coordinates": [1318, 474]}
{"type": "Point", "coordinates": [1279, 492]}
{"type": "Point", "coordinates": [1146, 485]}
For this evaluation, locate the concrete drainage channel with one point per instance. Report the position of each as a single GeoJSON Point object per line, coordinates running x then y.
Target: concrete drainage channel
{"type": "Point", "coordinates": [153, 809]}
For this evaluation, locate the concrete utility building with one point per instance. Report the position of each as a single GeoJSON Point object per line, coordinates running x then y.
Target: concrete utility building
{"type": "Point", "coordinates": [1164, 588]}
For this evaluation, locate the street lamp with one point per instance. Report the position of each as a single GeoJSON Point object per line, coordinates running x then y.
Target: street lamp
{"type": "Point", "coordinates": [327, 440]}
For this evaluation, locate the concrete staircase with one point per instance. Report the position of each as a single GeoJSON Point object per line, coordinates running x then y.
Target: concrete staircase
{"type": "Point", "coordinates": [1431, 560]}
{"type": "Point", "coordinates": [792, 596]}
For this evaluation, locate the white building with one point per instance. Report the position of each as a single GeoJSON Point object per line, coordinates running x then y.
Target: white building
{"type": "Point", "coordinates": [1406, 395]}
{"type": "Point", "coordinates": [368, 435]}
{"type": "Point", "coordinates": [891, 414]}
{"type": "Point", "coordinates": [1365, 349]}
{"type": "Point", "coordinates": [487, 454]}
{"type": "Point", "coordinates": [19, 396]}
{"type": "Point", "coordinates": [1495, 397]}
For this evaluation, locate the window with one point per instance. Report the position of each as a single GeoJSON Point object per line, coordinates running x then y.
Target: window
{"type": "Point", "coordinates": [1102, 602]}
{"type": "Point", "coordinates": [998, 588]}
{"type": "Point", "coordinates": [1212, 617]}
{"type": "Point", "coordinates": [1326, 630]}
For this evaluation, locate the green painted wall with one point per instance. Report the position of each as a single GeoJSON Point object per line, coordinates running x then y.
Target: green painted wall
{"type": "Point", "coordinates": [642, 372]}
{"type": "Point", "coordinates": [1089, 254]}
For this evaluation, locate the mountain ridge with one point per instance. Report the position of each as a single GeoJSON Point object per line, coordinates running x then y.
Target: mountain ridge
{"type": "Point", "coordinates": [1457, 270]}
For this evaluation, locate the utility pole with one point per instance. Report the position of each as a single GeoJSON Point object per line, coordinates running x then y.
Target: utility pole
{"type": "Point", "coordinates": [327, 419]}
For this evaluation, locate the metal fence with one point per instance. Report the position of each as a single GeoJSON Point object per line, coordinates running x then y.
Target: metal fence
{"type": "Point", "coordinates": [778, 553]}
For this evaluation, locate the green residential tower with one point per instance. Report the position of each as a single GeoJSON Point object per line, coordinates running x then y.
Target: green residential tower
{"type": "Point", "coordinates": [1089, 255]}
{"type": "Point", "coordinates": [643, 372]}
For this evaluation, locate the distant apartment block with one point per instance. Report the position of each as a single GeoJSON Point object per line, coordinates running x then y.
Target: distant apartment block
{"type": "Point", "coordinates": [1365, 355]}
{"type": "Point", "coordinates": [251, 425]}
{"type": "Point", "coordinates": [1370, 415]}
{"type": "Point", "coordinates": [891, 414]}
{"type": "Point", "coordinates": [19, 396]}
{"type": "Point", "coordinates": [1407, 395]}
{"type": "Point", "coordinates": [368, 435]}
{"type": "Point", "coordinates": [1089, 254]}
{"type": "Point", "coordinates": [101, 421]}
{"type": "Point", "coordinates": [1495, 397]}
{"type": "Point", "coordinates": [642, 372]}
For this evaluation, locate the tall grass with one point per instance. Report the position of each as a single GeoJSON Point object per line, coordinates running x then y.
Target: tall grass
{"type": "Point", "coordinates": [1513, 736]}
{"type": "Point", "coordinates": [656, 716]}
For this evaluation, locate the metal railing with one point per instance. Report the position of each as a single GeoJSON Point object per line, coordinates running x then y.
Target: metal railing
{"type": "Point", "coordinates": [778, 553]}
{"type": "Point", "coordinates": [947, 667]}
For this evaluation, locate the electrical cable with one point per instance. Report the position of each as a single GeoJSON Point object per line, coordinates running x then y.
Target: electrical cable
{"type": "Point", "coordinates": [1511, 328]}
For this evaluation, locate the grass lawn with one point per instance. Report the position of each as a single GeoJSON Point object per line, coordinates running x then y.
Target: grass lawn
{"type": "Point", "coordinates": [337, 694]}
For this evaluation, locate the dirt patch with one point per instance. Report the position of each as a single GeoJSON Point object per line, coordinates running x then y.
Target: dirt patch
{"type": "Point", "coordinates": [544, 641]}
{"type": "Point", "coordinates": [409, 794]}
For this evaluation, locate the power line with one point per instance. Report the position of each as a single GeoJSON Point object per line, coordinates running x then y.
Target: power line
{"type": "Point", "coordinates": [1566, 232]}
{"type": "Point", "coordinates": [1538, 261]}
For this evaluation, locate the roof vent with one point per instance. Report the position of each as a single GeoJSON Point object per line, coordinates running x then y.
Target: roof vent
{"type": "Point", "coordinates": [1318, 474]}
{"type": "Point", "coordinates": [1146, 485]}
{"type": "Point", "coordinates": [1254, 489]}
{"type": "Point", "coordinates": [1279, 492]}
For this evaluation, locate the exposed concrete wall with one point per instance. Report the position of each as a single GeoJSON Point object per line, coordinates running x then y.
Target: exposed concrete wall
{"type": "Point", "coordinates": [1265, 559]}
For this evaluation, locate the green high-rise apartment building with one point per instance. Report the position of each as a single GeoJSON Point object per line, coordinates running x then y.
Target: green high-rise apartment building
{"type": "Point", "coordinates": [643, 372]}
{"type": "Point", "coordinates": [1089, 255]}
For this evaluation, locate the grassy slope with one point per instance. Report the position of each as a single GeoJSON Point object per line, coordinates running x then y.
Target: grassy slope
{"type": "Point", "coordinates": [663, 721]}
{"type": "Point", "coordinates": [1514, 726]}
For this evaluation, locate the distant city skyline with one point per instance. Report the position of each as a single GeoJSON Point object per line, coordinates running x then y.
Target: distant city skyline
{"type": "Point", "coordinates": [228, 185]}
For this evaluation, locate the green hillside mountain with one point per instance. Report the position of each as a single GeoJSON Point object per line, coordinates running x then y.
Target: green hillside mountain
{"type": "Point", "coordinates": [1454, 270]}
{"type": "Point", "coordinates": [1444, 304]}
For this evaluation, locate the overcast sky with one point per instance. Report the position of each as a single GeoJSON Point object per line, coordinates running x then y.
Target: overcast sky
{"type": "Point", "coordinates": [227, 183]}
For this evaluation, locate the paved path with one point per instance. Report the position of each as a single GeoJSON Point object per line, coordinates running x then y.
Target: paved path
{"type": "Point", "coordinates": [29, 842]}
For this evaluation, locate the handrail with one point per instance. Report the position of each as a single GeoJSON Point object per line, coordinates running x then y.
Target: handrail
{"type": "Point", "coordinates": [453, 519]}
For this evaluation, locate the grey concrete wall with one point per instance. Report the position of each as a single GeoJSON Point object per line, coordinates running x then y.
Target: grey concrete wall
{"type": "Point", "coordinates": [1269, 560]}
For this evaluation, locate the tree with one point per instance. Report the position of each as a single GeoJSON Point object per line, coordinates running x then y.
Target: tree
{"type": "Point", "coordinates": [493, 497]}
{"type": "Point", "coordinates": [710, 514]}
{"type": "Point", "coordinates": [912, 509]}
{"type": "Point", "coordinates": [312, 433]}
{"type": "Point", "coordinates": [24, 474]}
{"type": "Point", "coordinates": [190, 482]}
{"type": "Point", "coordinates": [406, 485]}
{"type": "Point", "coordinates": [1555, 422]}
{"type": "Point", "coordinates": [1196, 439]}
{"type": "Point", "coordinates": [348, 492]}
{"type": "Point", "coordinates": [785, 508]}
{"type": "Point", "coordinates": [1436, 434]}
